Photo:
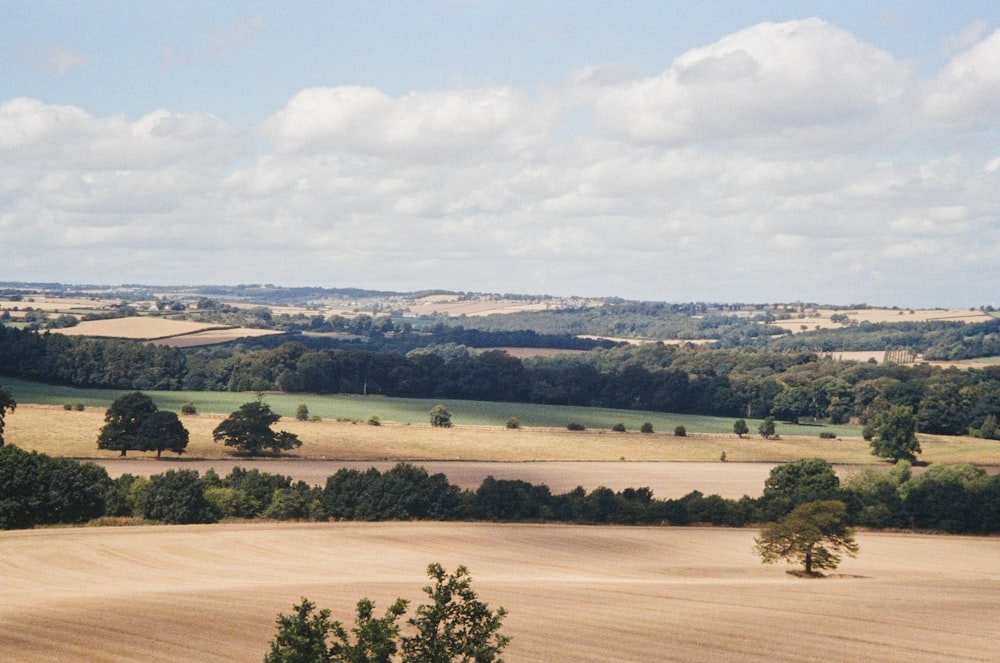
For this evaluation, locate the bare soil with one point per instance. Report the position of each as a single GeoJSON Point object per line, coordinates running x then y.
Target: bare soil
{"type": "Point", "coordinates": [597, 594]}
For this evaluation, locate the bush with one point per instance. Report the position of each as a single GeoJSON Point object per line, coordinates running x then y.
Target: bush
{"type": "Point", "coordinates": [513, 423]}
{"type": "Point", "coordinates": [618, 428]}
{"type": "Point", "coordinates": [646, 428]}
{"type": "Point", "coordinates": [374, 420]}
{"type": "Point", "coordinates": [78, 407]}
{"type": "Point", "coordinates": [67, 406]}
{"type": "Point", "coordinates": [189, 408]}
{"type": "Point", "coordinates": [680, 431]}
{"type": "Point", "coordinates": [302, 412]}
{"type": "Point", "coordinates": [440, 417]}
{"type": "Point", "coordinates": [827, 435]}
{"type": "Point", "coordinates": [575, 426]}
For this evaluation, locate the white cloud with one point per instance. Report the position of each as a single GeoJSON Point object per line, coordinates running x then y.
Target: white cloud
{"type": "Point", "coordinates": [784, 161]}
{"type": "Point", "coordinates": [966, 95]}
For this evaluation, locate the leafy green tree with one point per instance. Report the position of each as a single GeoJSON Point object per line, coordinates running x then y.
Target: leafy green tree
{"type": "Point", "coordinates": [766, 428]}
{"type": "Point", "coordinates": [249, 430]}
{"type": "Point", "coordinates": [301, 637]}
{"type": "Point", "coordinates": [163, 431]}
{"type": "Point", "coordinates": [440, 417]}
{"type": "Point", "coordinates": [740, 427]}
{"type": "Point", "coordinates": [456, 626]}
{"type": "Point", "coordinates": [123, 420]}
{"type": "Point", "coordinates": [893, 434]}
{"type": "Point", "coordinates": [302, 412]}
{"type": "Point", "coordinates": [175, 497]}
{"type": "Point", "coordinates": [6, 403]}
{"type": "Point", "coordinates": [791, 484]}
{"type": "Point", "coordinates": [814, 534]}
{"type": "Point", "coordinates": [189, 408]}
{"type": "Point", "coordinates": [646, 428]}
{"type": "Point", "coordinates": [374, 638]}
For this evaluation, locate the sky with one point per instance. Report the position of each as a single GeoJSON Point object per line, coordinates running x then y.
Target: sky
{"type": "Point", "coordinates": [745, 151]}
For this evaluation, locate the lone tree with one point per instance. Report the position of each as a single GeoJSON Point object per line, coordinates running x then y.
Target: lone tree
{"type": "Point", "coordinates": [6, 403]}
{"type": "Point", "coordinates": [249, 430]}
{"type": "Point", "coordinates": [455, 627]}
{"type": "Point", "coordinates": [893, 434]}
{"type": "Point", "coordinates": [440, 417]}
{"type": "Point", "coordinates": [123, 420]}
{"type": "Point", "coordinates": [813, 534]}
{"type": "Point", "coordinates": [163, 431]}
{"type": "Point", "coordinates": [766, 428]}
{"type": "Point", "coordinates": [740, 427]}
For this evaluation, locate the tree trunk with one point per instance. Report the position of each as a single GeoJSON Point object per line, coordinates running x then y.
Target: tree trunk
{"type": "Point", "coordinates": [809, 562]}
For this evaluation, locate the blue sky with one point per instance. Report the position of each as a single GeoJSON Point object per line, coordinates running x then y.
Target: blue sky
{"type": "Point", "coordinates": [836, 152]}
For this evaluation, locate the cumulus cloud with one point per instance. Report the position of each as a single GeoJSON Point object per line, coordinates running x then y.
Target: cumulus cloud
{"type": "Point", "coordinates": [784, 161]}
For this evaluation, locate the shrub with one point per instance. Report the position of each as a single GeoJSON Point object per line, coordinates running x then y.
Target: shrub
{"type": "Point", "coordinates": [646, 428]}
{"type": "Point", "coordinates": [513, 423]}
{"type": "Point", "coordinates": [78, 407]}
{"type": "Point", "coordinates": [827, 435]}
{"type": "Point", "coordinates": [440, 417]}
{"type": "Point", "coordinates": [575, 426]}
{"type": "Point", "coordinates": [374, 420]}
{"type": "Point", "coordinates": [618, 428]}
{"type": "Point", "coordinates": [189, 408]}
{"type": "Point", "coordinates": [680, 431]}
{"type": "Point", "coordinates": [67, 406]}
{"type": "Point", "coordinates": [302, 412]}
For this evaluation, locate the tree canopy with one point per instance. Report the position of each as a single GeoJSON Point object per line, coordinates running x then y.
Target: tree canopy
{"type": "Point", "coordinates": [6, 403]}
{"type": "Point", "coordinates": [249, 430]}
{"type": "Point", "coordinates": [814, 534]}
{"type": "Point", "coordinates": [454, 627]}
{"type": "Point", "coordinates": [893, 434]}
{"type": "Point", "coordinates": [123, 421]}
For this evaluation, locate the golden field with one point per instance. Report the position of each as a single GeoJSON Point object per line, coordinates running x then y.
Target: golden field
{"type": "Point", "coordinates": [574, 593]}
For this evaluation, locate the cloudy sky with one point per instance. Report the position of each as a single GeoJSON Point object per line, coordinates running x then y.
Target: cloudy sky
{"type": "Point", "coordinates": [836, 152]}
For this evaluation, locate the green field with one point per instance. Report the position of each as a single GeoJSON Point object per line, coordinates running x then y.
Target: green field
{"type": "Point", "coordinates": [414, 410]}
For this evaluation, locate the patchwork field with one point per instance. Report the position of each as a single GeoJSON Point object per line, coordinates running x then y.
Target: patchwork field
{"type": "Point", "coordinates": [210, 593]}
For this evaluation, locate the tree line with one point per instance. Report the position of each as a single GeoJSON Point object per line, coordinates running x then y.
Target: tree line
{"type": "Point", "coordinates": [36, 489]}
{"type": "Point", "coordinates": [787, 385]}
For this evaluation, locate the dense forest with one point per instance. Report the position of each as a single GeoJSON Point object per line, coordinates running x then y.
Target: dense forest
{"type": "Point", "coordinates": [790, 384]}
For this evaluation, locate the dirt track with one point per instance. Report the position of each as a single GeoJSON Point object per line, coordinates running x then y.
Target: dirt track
{"type": "Point", "coordinates": [210, 593]}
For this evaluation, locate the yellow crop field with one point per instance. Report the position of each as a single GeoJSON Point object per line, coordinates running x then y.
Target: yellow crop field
{"type": "Point", "coordinates": [136, 327]}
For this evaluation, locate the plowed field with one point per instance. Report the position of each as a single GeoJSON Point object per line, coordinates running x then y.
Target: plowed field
{"type": "Point", "coordinates": [210, 593]}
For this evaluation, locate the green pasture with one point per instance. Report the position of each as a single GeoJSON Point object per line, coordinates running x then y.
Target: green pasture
{"type": "Point", "coordinates": [413, 410]}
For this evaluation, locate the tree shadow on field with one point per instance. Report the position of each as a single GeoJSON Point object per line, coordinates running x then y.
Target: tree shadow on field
{"type": "Point", "coordinates": [816, 575]}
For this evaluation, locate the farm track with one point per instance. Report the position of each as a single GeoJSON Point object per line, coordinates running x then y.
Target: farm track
{"type": "Point", "coordinates": [592, 594]}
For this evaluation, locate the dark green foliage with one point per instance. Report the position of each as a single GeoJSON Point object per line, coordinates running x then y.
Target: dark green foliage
{"type": "Point", "coordinates": [405, 492]}
{"type": "Point", "coordinates": [646, 428]}
{"type": "Point", "coordinates": [7, 404]}
{"type": "Point", "coordinates": [440, 417]}
{"type": "Point", "coordinates": [510, 500]}
{"type": "Point", "coordinates": [740, 427]}
{"type": "Point", "coordinates": [766, 428]}
{"type": "Point", "coordinates": [248, 429]}
{"type": "Point", "coordinates": [455, 626]}
{"type": "Point", "coordinates": [163, 431]}
{"type": "Point", "coordinates": [513, 423]}
{"type": "Point", "coordinates": [302, 412]}
{"type": "Point", "coordinates": [189, 408]}
{"type": "Point", "coordinates": [256, 488]}
{"type": "Point", "coordinates": [618, 428]}
{"type": "Point", "coordinates": [574, 426]}
{"type": "Point", "coordinates": [680, 431]}
{"type": "Point", "coordinates": [893, 435]}
{"type": "Point", "coordinates": [176, 497]}
{"type": "Point", "coordinates": [805, 480]}
{"type": "Point", "coordinates": [827, 435]}
{"type": "Point", "coordinates": [36, 489]}
{"type": "Point", "coordinates": [123, 420]}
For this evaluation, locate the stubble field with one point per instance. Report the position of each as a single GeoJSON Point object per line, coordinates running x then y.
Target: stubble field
{"type": "Point", "coordinates": [210, 593]}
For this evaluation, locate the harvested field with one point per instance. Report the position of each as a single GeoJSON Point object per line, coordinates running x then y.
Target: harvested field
{"type": "Point", "coordinates": [58, 432]}
{"type": "Point", "coordinates": [135, 327]}
{"type": "Point", "coordinates": [211, 593]}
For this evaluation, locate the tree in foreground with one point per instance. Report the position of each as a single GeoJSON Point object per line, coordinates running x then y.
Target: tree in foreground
{"type": "Point", "coordinates": [454, 627]}
{"type": "Point", "coordinates": [123, 420]}
{"type": "Point", "coordinates": [6, 403]}
{"type": "Point", "coordinates": [893, 434]}
{"type": "Point", "coordinates": [249, 430]}
{"type": "Point", "coordinates": [814, 534]}
{"type": "Point", "coordinates": [440, 417]}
